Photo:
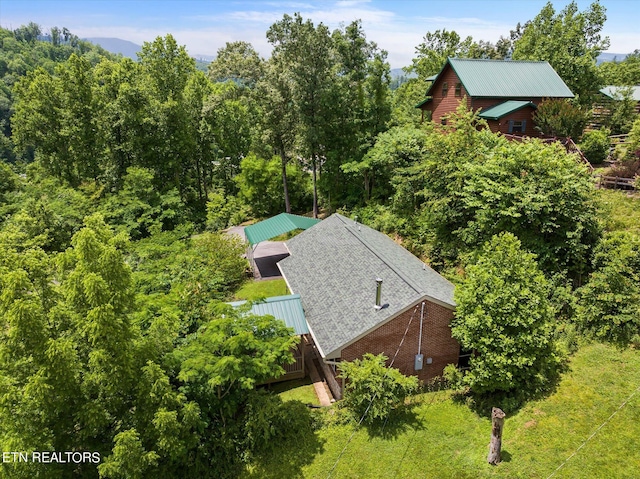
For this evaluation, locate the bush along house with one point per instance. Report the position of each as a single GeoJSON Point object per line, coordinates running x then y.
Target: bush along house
{"type": "Point", "coordinates": [506, 93]}
{"type": "Point", "coordinates": [363, 293]}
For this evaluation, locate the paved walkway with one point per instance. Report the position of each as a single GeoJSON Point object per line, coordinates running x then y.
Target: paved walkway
{"type": "Point", "coordinates": [318, 384]}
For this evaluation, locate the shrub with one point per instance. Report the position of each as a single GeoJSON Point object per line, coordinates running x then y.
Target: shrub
{"type": "Point", "coordinates": [372, 390]}
{"type": "Point", "coordinates": [609, 304]}
{"type": "Point", "coordinates": [560, 118]}
{"type": "Point", "coordinates": [595, 145]}
{"type": "Point", "coordinates": [224, 211]}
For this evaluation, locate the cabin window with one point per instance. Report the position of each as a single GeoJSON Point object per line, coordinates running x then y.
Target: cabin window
{"type": "Point", "coordinates": [458, 89]}
{"type": "Point", "coordinates": [517, 126]}
{"type": "Point", "coordinates": [443, 120]}
{"type": "Point", "coordinates": [445, 88]}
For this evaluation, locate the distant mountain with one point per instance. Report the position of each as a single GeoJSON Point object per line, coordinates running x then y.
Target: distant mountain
{"type": "Point", "coordinates": [609, 57]}
{"type": "Point", "coordinates": [117, 45]}
{"type": "Point", "coordinates": [399, 72]}
{"type": "Point", "coordinates": [130, 49]}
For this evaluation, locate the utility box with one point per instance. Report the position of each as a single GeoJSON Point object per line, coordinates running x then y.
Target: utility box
{"type": "Point", "coordinates": [418, 363]}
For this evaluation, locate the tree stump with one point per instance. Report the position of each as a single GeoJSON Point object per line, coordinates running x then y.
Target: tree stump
{"type": "Point", "coordinates": [497, 422]}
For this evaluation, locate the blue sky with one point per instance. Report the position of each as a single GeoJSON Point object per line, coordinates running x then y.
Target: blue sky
{"type": "Point", "coordinates": [397, 26]}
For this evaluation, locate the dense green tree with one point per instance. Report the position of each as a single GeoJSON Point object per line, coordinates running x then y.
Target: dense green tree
{"type": "Point", "coordinates": [471, 185]}
{"type": "Point", "coordinates": [399, 147]}
{"type": "Point", "coordinates": [238, 62]}
{"type": "Point", "coordinates": [361, 99]}
{"type": "Point", "coordinates": [504, 316]}
{"type": "Point", "coordinates": [225, 132]}
{"type": "Point", "coordinates": [56, 115]}
{"type": "Point", "coordinates": [83, 368]}
{"type": "Point", "coordinates": [609, 304]}
{"type": "Point", "coordinates": [278, 119]}
{"type": "Point", "coordinates": [595, 145]}
{"type": "Point", "coordinates": [259, 185]}
{"type": "Point", "coordinates": [140, 208]}
{"type": "Point", "coordinates": [570, 41]}
{"type": "Point", "coordinates": [621, 73]}
{"type": "Point", "coordinates": [434, 50]}
{"type": "Point", "coordinates": [621, 111]}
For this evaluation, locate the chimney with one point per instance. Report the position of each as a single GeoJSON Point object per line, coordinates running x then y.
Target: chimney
{"type": "Point", "coordinates": [378, 293]}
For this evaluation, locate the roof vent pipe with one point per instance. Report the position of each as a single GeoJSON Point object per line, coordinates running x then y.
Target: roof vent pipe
{"type": "Point", "coordinates": [378, 293]}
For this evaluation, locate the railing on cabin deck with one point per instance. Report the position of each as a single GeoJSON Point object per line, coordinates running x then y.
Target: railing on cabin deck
{"type": "Point", "coordinates": [295, 368]}
{"type": "Point", "coordinates": [571, 147]}
{"type": "Point", "coordinates": [616, 182]}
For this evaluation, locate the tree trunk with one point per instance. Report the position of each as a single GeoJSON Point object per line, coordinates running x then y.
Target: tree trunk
{"type": "Point", "coordinates": [497, 421]}
{"type": "Point", "coordinates": [287, 204]}
{"type": "Point", "coordinates": [315, 188]}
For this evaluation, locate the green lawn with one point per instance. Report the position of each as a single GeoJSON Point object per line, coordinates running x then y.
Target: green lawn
{"type": "Point", "coordinates": [441, 439]}
{"type": "Point", "coordinates": [252, 290]}
{"type": "Point", "coordinates": [296, 390]}
{"type": "Point", "coordinates": [619, 210]}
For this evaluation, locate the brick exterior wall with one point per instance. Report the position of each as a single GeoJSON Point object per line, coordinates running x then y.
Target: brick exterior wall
{"type": "Point", "coordinates": [437, 342]}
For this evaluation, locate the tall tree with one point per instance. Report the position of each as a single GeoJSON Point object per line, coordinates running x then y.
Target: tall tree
{"type": "Point", "coordinates": [56, 115]}
{"type": "Point", "coordinates": [434, 50]}
{"type": "Point", "coordinates": [362, 102]}
{"type": "Point", "coordinates": [278, 118]}
{"type": "Point", "coordinates": [238, 62]}
{"type": "Point", "coordinates": [570, 41]}
{"type": "Point", "coordinates": [305, 52]}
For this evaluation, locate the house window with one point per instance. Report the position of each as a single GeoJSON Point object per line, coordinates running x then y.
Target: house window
{"type": "Point", "coordinates": [517, 126]}
{"type": "Point", "coordinates": [463, 358]}
{"type": "Point", "coordinates": [445, 88]}
{"type": "Point", "coordinates": [443, 120]}
{"type": "Point", "coordinates": [458, 89]}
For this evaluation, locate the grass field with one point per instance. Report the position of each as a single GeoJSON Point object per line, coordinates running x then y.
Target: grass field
{"type": "Point", "coordinates": [441, 438]}
{"type": "Point", "coordinates": [619, 210]}
{"type": "Point", "coordinates": [252, 290]}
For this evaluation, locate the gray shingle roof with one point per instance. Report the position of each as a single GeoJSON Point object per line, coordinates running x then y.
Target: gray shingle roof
{"type": "Point", "coordinates": [334, 265]}
{"type": "Point", "coordinates": [507, 79]}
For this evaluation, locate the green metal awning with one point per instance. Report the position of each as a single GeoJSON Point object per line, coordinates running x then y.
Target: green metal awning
{"type": "Point", "coordinates": [424, 102]}
{"type": "Point", "coordinates": [277, 225]}
{"type": "Point", "coordinates": [498, 111]}
{"type": "Point", "coordinates": [286, 308]}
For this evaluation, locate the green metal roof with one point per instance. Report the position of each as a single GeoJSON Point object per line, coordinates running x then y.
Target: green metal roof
{"type": "Point", "coordinates": [502, 109]}
{"type": "Point", "coordinates": [507, 79]}
{"type": "Point", "coordinates": [616, 92]}
{"type": "Point", "coordinates": [286, 308]}
{"type": "Point", "coordinates": [423, 102]}
{"type": "Point", "coordinates": [277, 225]}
